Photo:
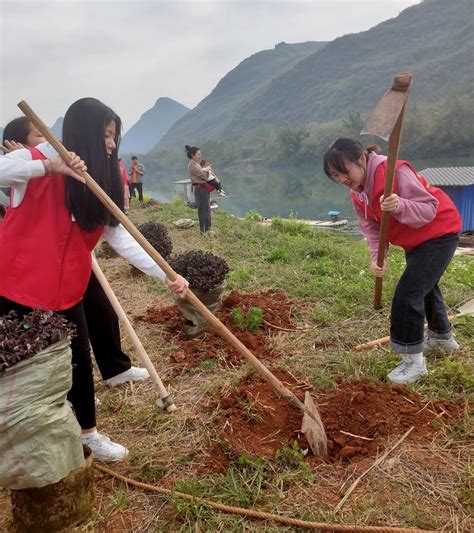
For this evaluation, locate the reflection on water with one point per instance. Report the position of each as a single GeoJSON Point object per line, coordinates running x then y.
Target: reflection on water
{"type": "Point", "coordinates": [303, 192]}
{"type": "Point", "coordinates": [306, 193]}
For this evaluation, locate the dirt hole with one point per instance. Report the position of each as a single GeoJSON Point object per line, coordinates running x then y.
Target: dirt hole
{"type": "Point", "coordinates": [258, 423]}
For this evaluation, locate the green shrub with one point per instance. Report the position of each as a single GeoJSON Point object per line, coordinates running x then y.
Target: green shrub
{"type": "Point", "coordinates": [251, 321]}
{"type": "Point", "coordinates": [254, 318]}
{"type": "Point", "coordinates": [291, 226]}
{"type": "Point", "coordinates": [277, 255]}
{"type": "Point", "coordinates": [253, 215]}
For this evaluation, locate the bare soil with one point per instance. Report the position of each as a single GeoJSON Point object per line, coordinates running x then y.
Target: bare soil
{"type": "Point", "coordinates": [276, 308]}
{"type": "Point", "coordinates": [257, 422]}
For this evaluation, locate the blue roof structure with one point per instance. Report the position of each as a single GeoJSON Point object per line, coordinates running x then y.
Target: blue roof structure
{"type": "Point", "coordinates": [458, 184]}
{"type": "Point", "coordinates": [449, 176]}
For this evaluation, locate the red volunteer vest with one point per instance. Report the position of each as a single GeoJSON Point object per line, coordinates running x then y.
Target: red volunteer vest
{"type": "Point", "coordinates": [446, 221]}
{"type": "Point", "coordinates": [45, 257]}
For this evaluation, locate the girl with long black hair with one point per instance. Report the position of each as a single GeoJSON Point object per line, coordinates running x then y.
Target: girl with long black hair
{"type": "Point", "coordinates": [47, 237]}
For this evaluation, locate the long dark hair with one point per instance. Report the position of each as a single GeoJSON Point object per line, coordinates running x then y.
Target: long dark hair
{"type": "Point", "coordinates": [84, 133]}
{"type": "Point", "coordinates": [190, 150]}
{"type": "Point", "coordinates": [344, 151]}
{"type": "Point", "coordinates": [17, 130]}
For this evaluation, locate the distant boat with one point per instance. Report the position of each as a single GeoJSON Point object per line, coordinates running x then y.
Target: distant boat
{"type": "Point", "coordinates": [313, 223]}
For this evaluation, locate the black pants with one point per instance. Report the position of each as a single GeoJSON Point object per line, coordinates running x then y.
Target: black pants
{"type": "Point", "coordinates": [204, 208]}
{"type": "Point", "coordinates": [81, 394]}
{"type": "Point", "coordinates": [417, 295]}
{"type": "Point", "coordinates": [139, 188]}
{"type": "Point", "coordinates": [104, 331]}
{"type": "Point", "coordinates": [216, 184]}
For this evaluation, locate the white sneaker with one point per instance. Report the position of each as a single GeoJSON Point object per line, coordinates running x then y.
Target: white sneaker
{"type": "Point", "coordinates": [433, 343]}
{"type": "Point", "coordinates": [103, 449]}
{"type": "Point", "coordinates": [132, 374]}
{"type": "Point", "coordinates": [221, 193]}
{"type": "Point", "coordinates": [407, 371]}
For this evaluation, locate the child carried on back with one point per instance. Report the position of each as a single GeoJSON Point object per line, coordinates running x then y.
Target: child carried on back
{"type": "Point", "coordinates": [212, 180]}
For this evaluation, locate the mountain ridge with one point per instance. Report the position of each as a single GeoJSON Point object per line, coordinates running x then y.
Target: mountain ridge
{"type": "Point", "coordinates": [152, 125]}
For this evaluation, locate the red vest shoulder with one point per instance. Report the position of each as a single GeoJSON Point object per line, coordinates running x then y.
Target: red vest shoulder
{"type": "Point", "coordinates": [46, 259]}
{"type": "Point", "coordinates": [447, 219]}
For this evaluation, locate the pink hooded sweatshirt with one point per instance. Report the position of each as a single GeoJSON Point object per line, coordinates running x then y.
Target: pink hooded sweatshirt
{"type": "Point", "coordinates": [416, 207]}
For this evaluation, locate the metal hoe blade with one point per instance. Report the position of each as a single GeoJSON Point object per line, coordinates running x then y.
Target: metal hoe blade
{"type": "Point", "coordinates": [467, 309]}
{"type": "Point", "coordinates": [385, 115]}
{"type": "Point", "coordinates": [313, 430]}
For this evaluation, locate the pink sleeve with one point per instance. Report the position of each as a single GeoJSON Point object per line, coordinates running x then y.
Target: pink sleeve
{"type": "Point", "coordinates": [417, 206]}
{"type": "Point", "coordinates": [371, 231]}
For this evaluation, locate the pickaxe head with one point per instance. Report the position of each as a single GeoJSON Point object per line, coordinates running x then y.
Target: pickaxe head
{"type": "Point", "coordinates": [383, 118]}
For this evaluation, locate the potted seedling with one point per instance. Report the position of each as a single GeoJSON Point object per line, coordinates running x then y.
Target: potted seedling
{"type": "Point", "coordinates": [206, 274]}
{"type": "Point", "coordinates": [157, 235]}
{"type": "Point", "coordinates": [42, 459]}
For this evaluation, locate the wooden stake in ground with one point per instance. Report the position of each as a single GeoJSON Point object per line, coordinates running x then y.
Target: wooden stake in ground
{"type": "Point", "coordinates": [386, 121]}
{"type": "Point", "coordinates": [313, 428]}
{"type": "Point", "coordinates": [164, 401]}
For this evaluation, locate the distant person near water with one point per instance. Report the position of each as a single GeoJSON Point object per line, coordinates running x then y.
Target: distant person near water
{"type": "Point", "coordinates": [136, 173]}
{"type": "Point", "coordinates": [426, 224]}
{"type": "Point", "coordinates": [199, 177]}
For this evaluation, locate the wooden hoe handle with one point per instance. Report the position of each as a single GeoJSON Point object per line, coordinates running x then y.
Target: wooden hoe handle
{"type": "Point", "coordinates": [171, 274]}
{"type": "Point", "coordinates": [141, 352]}
{"type": "Point", "coordinates": [393, 149]}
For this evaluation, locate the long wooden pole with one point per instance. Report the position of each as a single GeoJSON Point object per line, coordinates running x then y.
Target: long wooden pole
{"type": "Point", "coordinates": [393, 149]}
{"type": "Point", "coordinates": [170, 273]}
{"type": "Point", "coordinates": [384, 340]}
{"type": "Point", "coordinates": [164, 401]}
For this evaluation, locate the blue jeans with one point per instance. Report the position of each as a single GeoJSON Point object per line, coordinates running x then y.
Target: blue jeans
{"type": "Point", "coordinates": [417, 296]}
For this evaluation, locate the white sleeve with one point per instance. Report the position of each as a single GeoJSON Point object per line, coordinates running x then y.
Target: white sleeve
{"type": "Point", "coordinates": [127, 247]}
{"type": "Point", "coordinates": [18, 168]}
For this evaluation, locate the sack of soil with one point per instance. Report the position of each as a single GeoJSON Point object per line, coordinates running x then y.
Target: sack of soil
{"type": "Point", "coordinates": [40, 438]}
{"type": "Point", "coordinates": [206, 274]}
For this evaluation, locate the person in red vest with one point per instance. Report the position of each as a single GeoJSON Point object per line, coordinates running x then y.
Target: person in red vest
{"type": "Point", "coordinates": [103, 326]}
{"type": "Point", "coordinates": [426, 224]}
{"type": "Point", "coordinates": [126, 186]}
{"type": "Point", "coordinates": [47, 236]}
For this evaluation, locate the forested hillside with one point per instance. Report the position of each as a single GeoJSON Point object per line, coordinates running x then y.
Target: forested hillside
{"type": "Point", "coordinates": [434, 40]}
{"type": "Point", "coordinates": [212, 116]}
{"type": "Point", "coordinates": [293, 118]}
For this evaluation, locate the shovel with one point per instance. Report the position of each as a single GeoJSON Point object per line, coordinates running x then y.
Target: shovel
{"type": "Point", "coordinates": [164, 400]}
{"type": "Point", "coordinates": [466, 309]}
{"type": "Point", "coordinates": [312, 426]}
{"type": "Point", "coordinates": [386, 121]}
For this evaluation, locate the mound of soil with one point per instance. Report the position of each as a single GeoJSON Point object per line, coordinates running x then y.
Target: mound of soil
{"type": "Point", "coordinates": [257, 422]}
{"type": "Point", "coordinates": [276, 312]}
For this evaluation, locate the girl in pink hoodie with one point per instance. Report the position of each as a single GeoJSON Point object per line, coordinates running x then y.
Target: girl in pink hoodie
{"type": "Point", "coordinates": [426, 224]}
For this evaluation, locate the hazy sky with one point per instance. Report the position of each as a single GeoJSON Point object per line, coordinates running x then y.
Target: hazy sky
{"type": "Point", "coordinates": [130, 53]}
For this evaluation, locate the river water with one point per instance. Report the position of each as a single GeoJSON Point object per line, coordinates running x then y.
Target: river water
{"type": "Point", "coordinates": [304, 193]}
